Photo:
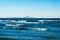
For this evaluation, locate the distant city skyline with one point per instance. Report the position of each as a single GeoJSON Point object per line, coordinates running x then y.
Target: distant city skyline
{"type": "Point", "coordinates": [31, 8]}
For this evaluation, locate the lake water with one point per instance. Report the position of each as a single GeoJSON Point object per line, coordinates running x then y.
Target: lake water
{"type": "Point", "coordinates": [52, 33]}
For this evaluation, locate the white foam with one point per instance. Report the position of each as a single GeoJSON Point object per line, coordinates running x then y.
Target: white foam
{"type": "Point", "coordinates": [39, 29]}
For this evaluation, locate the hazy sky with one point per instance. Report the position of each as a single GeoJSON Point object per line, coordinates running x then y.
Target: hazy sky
{"type": "Point", "coordinates": [33, 8]}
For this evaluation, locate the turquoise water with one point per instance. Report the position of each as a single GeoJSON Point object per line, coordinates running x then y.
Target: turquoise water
{"type": "Point", "coordinates": [52, 33]}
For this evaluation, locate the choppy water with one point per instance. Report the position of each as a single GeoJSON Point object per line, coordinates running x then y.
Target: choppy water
{"type": "Point", "coordinates": [53, 33]}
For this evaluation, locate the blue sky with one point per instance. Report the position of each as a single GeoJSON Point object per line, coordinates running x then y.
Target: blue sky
{"type": "Point", "coordinates": [33, 8]}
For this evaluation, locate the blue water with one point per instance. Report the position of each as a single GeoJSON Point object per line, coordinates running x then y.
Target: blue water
{"type": "Point", "coordinates": [53, 33]}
